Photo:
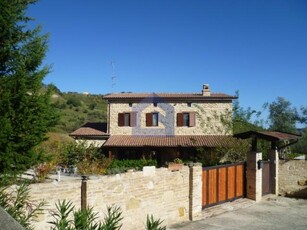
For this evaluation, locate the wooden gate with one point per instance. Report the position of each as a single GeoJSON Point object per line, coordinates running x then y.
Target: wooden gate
{"type": "Point", "coordinates": [223, 183]}
{"type": "Point", "coordinates": [266, 178]}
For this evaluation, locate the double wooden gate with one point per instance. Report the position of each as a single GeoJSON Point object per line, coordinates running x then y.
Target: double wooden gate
{"type": "Point", "coordinates": [223, 183]}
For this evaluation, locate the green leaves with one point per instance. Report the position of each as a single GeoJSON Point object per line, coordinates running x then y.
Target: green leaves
{"type": "Point", "coordinates": [84, 219]}
{"type": "Point", "coordinates": [282, 116]}
{"type": "Point", "coordinates": [112, 219]}
{"type": "Point", "coordinates": [61, 216]}
{"type": "Point", "coordinates": [18, 204]}
{"type": "Point", "coordinates": [154, 224]}
{"type": "Point", "coordinates": [119, 166]}
{"type": "Point", "coordinates": [87, 219]}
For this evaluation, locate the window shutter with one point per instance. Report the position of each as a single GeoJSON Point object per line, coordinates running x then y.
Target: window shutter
{"type": "Point", "coordinates": [133, 119]}
{"type": "Point", "coordinates": [179, 119]}
{"type": "Point", "coordinates": [121, 119]}
{"type": "Point", "coordinates": [192, 119]}
{"type": "Point", "coordinates": [148, 119]}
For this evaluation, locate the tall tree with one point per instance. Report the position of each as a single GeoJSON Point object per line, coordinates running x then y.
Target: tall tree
{"type": "Point", "coordinates": [282, 116]}
{"type": "Point", "coordinates": [25, 109]}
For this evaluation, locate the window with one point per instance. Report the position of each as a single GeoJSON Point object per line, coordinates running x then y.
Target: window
{"type": "Point", "coordinates": [186, 119]}
{"type": "Point", "coordinates": [189, 104]}
{"type": "Point", "coordinates": [155, 104]}
{"type": "Point", "coordinates": [130, 104]}
{"type": "Point", "coordinates": [127, 119]}
{"type": "Point", "coordinates": [152, 119]}
{"type": "Point", "coordinates": [155, 120]}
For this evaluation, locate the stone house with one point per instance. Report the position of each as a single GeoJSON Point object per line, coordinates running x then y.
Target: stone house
{"type": "Point", "coordinates": [164, 125]}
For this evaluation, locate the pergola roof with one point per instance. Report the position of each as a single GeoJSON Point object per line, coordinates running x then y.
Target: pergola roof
{"type": "Point", "coordinates": [273, 136]}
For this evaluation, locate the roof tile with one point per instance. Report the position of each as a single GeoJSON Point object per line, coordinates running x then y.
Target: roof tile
{"type": "Point", "coordinates": [167, 96]}
{"type": "Point", "coordinates": [91, 129]}
{"type": "Point", "coordinates": [168, 141]}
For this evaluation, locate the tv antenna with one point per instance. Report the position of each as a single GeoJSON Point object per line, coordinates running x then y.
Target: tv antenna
{"type": "Point", "coordinates": [113, 78]}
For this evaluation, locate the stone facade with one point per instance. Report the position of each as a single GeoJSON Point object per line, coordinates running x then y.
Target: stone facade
{"type": "Point", "coordinates": [293, 178]}
{"type": "Point", "coordinates": [210, 118]}
{"type": "Point", "coordinates": [159, 192]}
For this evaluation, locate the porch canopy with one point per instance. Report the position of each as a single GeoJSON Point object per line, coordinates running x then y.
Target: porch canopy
{"type": "Point", "coordinates": [273, 136]}
{"type": "Point", "coordinates": [168, 141]}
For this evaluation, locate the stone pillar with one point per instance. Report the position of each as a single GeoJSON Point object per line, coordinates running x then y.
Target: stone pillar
{"type": "Point", "coordinates": [274, 161]}
{"type": "Point", "coordinates": [253, 176]}
{"type": "Point", "coordinates": [195, 191]}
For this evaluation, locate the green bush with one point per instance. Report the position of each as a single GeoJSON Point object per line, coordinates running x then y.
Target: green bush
{"type": "Point", "coordinates": [88, 159]}
{"type": "Point", "coordinates": [119, 166]}
{"type": "Point", "coordinates": [74, 102]}
{"type": "Point", "coordinates": [92, 106]}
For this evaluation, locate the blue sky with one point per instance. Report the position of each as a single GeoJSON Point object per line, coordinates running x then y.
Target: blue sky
{"type": "Point", "coordinates": [256, 47]}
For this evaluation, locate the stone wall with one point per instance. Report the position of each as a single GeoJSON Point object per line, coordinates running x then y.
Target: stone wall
{"type": "Point", "coordinates": [293, 178]}
{"type": "Point", "coordinates": [208, 118]}
{"type": "Point", "coordinates": [160, 192]}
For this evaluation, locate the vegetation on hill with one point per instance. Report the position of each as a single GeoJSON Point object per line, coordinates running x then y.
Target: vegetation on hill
{"type": "Point", "coordinates": [76, 109]}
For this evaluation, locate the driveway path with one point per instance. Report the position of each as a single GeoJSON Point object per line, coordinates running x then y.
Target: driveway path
{"type": "Point", "coordinates": [271, 213]}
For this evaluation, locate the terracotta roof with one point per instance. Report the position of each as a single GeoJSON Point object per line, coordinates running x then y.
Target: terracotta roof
{"type": "Point", "coordinates": [268, 135]}
{"type": "Point", "coordinates": [167, 141]}
{"type": "Point", "coordinates": [187, 96]}
{"type": "Point", "coordinates": [91, 129]}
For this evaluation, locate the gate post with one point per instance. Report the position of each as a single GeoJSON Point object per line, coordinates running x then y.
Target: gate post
{"type": "Point", "coordinates": [84, 193]}
{"type": "Point", "coordinates": [253, 176]}
{"type": "Point", "coordinates": [195, 190]}
{"type": "Point", "coordinates": [274, 161]}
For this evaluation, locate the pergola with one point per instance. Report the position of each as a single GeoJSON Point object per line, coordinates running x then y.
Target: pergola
{"type": "Point", "coordinates": [274, 137]}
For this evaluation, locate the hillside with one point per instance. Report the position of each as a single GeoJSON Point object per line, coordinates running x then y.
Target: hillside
{"type": "Point", "coordinates": [75, 109]}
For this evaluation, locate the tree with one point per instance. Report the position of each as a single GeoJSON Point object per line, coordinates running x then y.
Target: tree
{"type": "Point", "coordinates": [245, 119]}
{"type": "Point", "coordinates": [26, 112]}
{"type": "Point", "coordinates": [301, 146]}
{"type": "Point", "coordinates": [282, 116]}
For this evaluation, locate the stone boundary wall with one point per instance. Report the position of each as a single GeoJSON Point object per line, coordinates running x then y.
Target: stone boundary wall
{"type": "Point", "coordinates": [159, 192]}
{"type": "Point", "coordinates": [293, 178]}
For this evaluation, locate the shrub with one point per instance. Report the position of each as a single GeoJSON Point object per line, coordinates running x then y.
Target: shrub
{"type": "Point", "coordinates": [152, 224]}
{"type": "Point", "coordinates": [92, 106]}
{"type": "Point", "coordinates": [88, 159]}
{"type": "Point", "coordinates": [84, 218]}
{"type": "Point", "coordinates": [18, 204]}
{"type": "Point", "coordinates": [74, 102]}
{"type": "Point", "coordinates": [119, 166]}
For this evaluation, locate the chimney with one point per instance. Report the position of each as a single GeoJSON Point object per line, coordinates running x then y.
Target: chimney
{"type": "Point", "coordinates": [206, 90]}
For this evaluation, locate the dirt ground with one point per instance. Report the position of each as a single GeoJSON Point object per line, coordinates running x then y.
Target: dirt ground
{"type": "Point", "coordinates": [271, 213]}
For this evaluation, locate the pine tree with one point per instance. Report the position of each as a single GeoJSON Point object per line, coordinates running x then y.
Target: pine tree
{"type": "Point", "coordinates": [25, 109]}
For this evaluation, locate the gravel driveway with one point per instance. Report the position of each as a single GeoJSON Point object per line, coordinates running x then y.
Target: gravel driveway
{"type": "Point", "coordinates": [271, 213]}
